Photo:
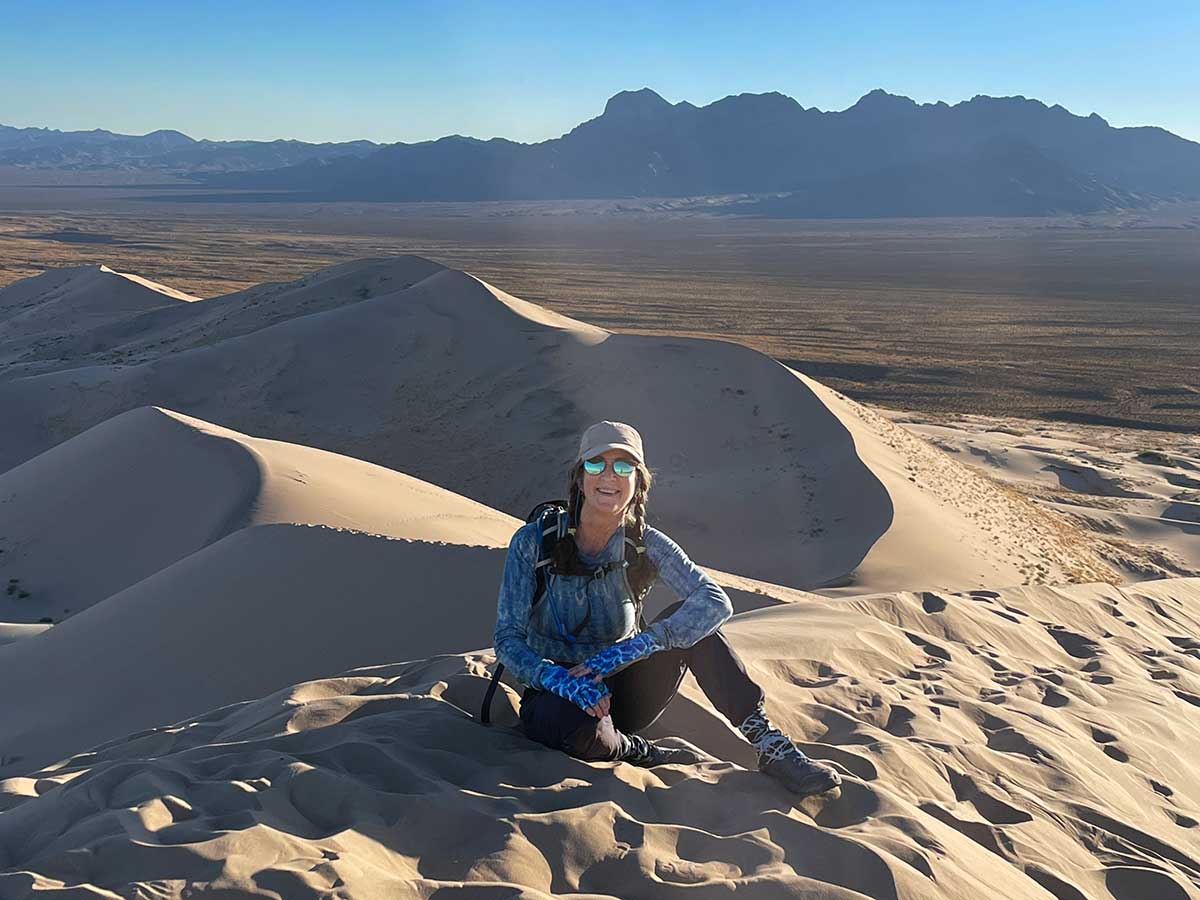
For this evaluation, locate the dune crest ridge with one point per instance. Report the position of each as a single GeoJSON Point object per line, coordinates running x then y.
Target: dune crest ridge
{"type": "Point", "coordinates": [420, 368]}
{"type": "Point", "coordinates": [77, 297]}
{"type": "Point", "coordinates": [307, 606]}
{"type": "Point", "coordinates": [148, 487]}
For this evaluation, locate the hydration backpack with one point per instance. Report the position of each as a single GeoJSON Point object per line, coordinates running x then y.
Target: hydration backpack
{"type": "Point", "coordinates": [559, 556]}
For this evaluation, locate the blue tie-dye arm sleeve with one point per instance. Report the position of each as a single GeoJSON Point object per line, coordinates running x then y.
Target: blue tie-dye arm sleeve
{"type": "Point", "coordinates": [705, 605]}
{"type": "Point", "coordinates": [513, 606]}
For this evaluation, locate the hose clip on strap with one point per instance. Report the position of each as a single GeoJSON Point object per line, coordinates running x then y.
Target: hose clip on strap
{"type": "Point", "coordinates": [600, 571]}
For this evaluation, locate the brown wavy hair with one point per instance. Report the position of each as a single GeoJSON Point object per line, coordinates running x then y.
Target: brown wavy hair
{"type": "Point", "coordinates": [635, 512]}
{"type": "Point", "coordinates": [643, 573]}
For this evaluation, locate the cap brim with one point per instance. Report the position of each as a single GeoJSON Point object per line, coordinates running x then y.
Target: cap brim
{"type": "Point", "coordinates": [600, 448]}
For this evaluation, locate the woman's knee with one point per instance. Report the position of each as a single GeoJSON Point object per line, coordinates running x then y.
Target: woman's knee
{"type": "Point", "coordinates": [594, 741]}
{"type": "Point", "coordinates": [561, 725]}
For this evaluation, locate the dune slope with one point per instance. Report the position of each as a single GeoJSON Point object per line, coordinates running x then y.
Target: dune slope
{"type": "Point", "coordinates": [47, 307]}
{"type": "Point", "coordinates": [459, 384]}
{"type": "Point", "coordinates": [1138, 492]}
{"type": "Point", "coordinates": [1027, 743]}
{"type": "Point", "coordinates": [138, 492]}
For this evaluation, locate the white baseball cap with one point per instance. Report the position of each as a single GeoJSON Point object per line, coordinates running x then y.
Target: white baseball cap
{"type": "Point", "coordinates": [610, 436]}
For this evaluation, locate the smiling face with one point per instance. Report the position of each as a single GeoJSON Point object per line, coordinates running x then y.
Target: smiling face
{"type": "Point", "coordinates": [609, 493]}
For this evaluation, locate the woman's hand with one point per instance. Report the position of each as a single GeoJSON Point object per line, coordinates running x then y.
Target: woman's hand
{"type": "Point", "coordinates": [601, 709]}
{"type": "Point", "coordinates": [583, 669]}
{"type": "Point", "coordinates": [578, 690]}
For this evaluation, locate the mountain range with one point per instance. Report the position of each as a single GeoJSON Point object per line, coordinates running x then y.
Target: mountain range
{"type": "Point", "coordinates": [884, 156]}
{"type": "Point", "coordinates": [169, 152]}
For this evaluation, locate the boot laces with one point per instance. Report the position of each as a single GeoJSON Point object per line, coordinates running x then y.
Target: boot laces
{"type": "Point", "coordinates": [772, 747]}
{"type": "Point", "coordinates": [771, 743]}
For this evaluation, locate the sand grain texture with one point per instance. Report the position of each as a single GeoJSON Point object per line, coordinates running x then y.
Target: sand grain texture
{"type": "Point", "coordinates": [982, 757]}
{"type": "Point", "coordinates": [1138, 492]}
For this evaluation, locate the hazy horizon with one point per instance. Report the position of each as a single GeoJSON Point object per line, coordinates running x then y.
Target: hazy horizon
{"type": "Point", "coordinates": [1047, 102]}
{"type": "Point", "coordinates": [410, 72]}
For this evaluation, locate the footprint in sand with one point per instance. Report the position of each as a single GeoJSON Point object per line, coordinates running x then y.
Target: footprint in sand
{"type": "Point", "coordinates": [993, 808]}
{"type": "Point", "coordinates": [1055, 699]}
{"type": "Point", "coordinates": [1136, 883]}
{"type": "Point", "coordinates": [928, 646]}
{"type": "Point", "coordinates": [1050, 675]}
{"type": "Point", "coordinates": [1160, 788]}
{"type": "Point", "coordinates": [1100, 736]}
{"type": "Point", "coordinates": [899, 723]}
{"type": "Point", "coordinates": [1190, 698]}
{"type": "Point", "coordinates": [932, 603]}
{"type": "Point", "coordinates": [1077, 645]}
{"type": "Point", "coordinates": [1054, 883]}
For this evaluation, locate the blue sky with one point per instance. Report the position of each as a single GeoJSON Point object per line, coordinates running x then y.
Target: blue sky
{"type": "Point", "coordinates": [392, 71]}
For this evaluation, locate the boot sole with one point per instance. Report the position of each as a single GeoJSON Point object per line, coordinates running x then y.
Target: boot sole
{"type": "Point", "coordinates": [813, 787]}
{"type": "Point", "coordinates": [816, 784]}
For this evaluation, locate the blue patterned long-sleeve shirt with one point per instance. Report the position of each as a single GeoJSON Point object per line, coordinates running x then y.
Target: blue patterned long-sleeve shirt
{"type": "Point", "coordinates": [579, 615]}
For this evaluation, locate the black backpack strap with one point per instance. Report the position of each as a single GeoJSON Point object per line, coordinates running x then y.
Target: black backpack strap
{"type": "Point", "coordinates": [553, 525]}
{"type": "Point", "coordinates": [485, 711]}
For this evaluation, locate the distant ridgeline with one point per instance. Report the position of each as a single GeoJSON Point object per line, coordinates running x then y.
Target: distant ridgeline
{"type": "Point", "coordinates": [169, 152]}
{"type": "Point", "coordinates": [884, 156]}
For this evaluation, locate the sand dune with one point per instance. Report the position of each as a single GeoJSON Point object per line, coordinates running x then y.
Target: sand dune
{"type": "Point", "coordinates": [50, 306]}
{"type": "Point", "coordinates": [258, 610]}
{"type": "Point", "coordinates": [135, 494]}
{"type": "Point", "coordinates": [1137, 491]}
{"type": "Point", "coordinates": [143, 335]}
{"type": "Point", "coordinates": [1026, 743]}
{"type": "Point", "coordinates": [459, 384]}
{"type": "Point", "coordinates": [187, 554]}
{"type": "Point", "coordinates": [1020, 741]}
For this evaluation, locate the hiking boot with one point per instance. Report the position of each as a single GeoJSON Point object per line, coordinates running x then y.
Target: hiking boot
{"type": "Point", "coordinates": [799, 774]}
{"type": "Point", "coordinates": [645, 754]}
{"type": "Point", "coordinates": [781, 759]}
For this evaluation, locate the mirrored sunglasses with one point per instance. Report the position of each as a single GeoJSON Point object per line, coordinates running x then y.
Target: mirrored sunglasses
{"type": "Point", "coordinates": [622, 467]}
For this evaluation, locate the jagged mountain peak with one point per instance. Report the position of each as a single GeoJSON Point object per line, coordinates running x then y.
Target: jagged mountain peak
{"type": "Point", "coordinates": [880, 100]}
{"type": "Point", "coordinates": [644, 102]}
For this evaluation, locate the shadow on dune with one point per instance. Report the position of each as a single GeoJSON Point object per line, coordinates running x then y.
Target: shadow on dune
{"type": "Point", "coordinates": [416, 367]}
{"type": "Point", "coordinates": [1184, 516]}
{"type": "Point", "coordinates": [321, 599]}
{"type": "Point", "coordinates": [379, 781]}
{"type": "Point", "coordinates": [383, 765]}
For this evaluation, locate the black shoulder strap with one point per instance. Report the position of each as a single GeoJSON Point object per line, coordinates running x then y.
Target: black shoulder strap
{"type": "Point", "coordinates": [552, 524]}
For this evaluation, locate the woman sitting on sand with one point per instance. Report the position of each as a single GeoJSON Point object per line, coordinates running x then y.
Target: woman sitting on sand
{"type": "Point", "coordinates": [593, 679]}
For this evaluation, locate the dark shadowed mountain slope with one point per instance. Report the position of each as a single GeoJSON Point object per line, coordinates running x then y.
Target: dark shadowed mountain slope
{"type": "Point", "coordinates": [997, 178]}
{"type": "Point", "coordinates": [886, 155]}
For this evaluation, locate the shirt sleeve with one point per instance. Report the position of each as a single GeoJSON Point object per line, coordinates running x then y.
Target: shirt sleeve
{"type": "Point", "coordinates": [705, 605]}
{"type": "Point", "coordinates": [513, 608]}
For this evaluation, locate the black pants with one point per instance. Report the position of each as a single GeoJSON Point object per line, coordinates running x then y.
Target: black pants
{"type": "Point", "coordinates": [640, 693]}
